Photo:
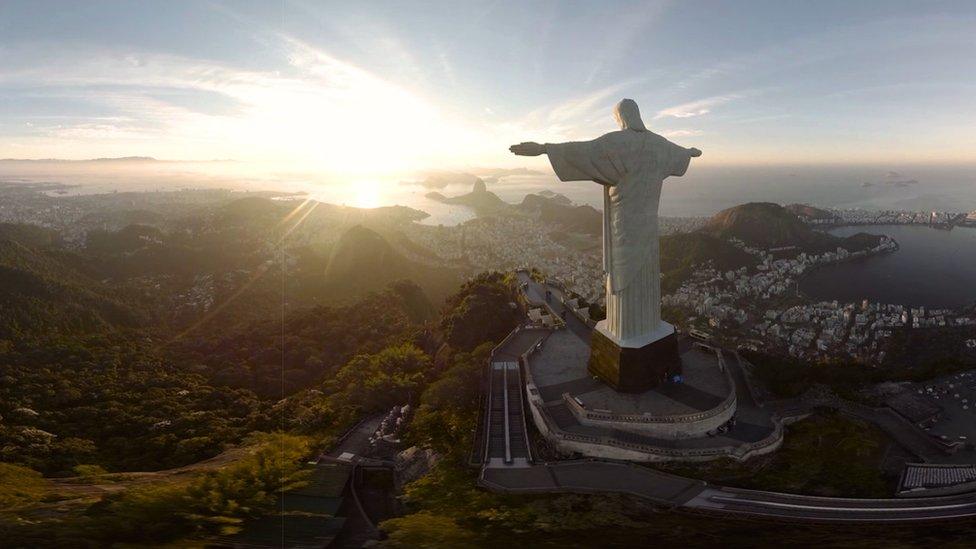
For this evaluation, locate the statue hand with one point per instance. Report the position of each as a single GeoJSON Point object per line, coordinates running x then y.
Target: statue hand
{"type": "Point", "coordinates": [528, 148]}
{"type": "Point", "coordinates": [695, 153]}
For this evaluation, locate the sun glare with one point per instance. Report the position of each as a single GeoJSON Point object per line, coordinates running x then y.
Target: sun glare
{"type": "Point", "coordinates": [341, 119]}
{"type": "Point", "coordinates": [366, 194]}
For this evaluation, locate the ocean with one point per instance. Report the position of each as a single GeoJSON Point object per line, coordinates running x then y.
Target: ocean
{"type": "Point", "coordinates": [704, 190]}
{"type": "Point", "coordinates": [932, 267]}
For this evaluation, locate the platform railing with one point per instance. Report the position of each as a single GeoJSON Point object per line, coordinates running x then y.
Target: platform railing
{"type": "Point", "coordinates": [738, 452]}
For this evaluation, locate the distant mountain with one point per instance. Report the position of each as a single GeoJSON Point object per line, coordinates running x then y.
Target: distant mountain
{"type": "Point", "coordinates": [768, 225]}
{"type": "Point", "coordinates": [762, 224]}
{"type": "Point", "coordinates": [363, 261]}
{"type": "Point", "coordinates": [126, 159]}
{"type": "Point", "coordinates": [440, 180]}
{"type": "Point", "coordinates": [555, 197]}
{"type": "Point", "coordinates": [483, 201]}
{"type": "Point", "coordinates": [119, 159]}
{"type": "Point", "coordinates": [556, 210]}
{"type": "Point", "coordinates": [250, 210]}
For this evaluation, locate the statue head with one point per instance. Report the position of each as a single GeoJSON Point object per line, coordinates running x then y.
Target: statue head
{"type": "Point", "coordinates": [628, 116]}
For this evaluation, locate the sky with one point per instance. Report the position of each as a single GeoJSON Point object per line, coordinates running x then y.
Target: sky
{"type": "Point", "coordinates": [353, 88]}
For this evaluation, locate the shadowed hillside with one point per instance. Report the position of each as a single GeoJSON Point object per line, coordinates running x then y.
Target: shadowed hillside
{"type": "Point", "coordinates": [558, 211]}
{"type": "Point", "coordinates": [250, 210]}
{"type": "Point", "coordinates": [682, 252]}
{"type": "Point", "coordinates": [364, 261]}
{"type": "Point", "coordinates": [42, 293]}
{"type": "Point", "coordinates": [319, 340]}
{"type": "Point", "coordinates": [768, 225]}
{"type": "Point", "coordinates": [762, 224]}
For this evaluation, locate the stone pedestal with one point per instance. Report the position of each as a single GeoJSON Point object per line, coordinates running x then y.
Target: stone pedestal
{"type": "Point", "coordinates": [634, 369]}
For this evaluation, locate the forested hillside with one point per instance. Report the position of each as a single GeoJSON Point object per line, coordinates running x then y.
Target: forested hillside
{"type": "Point", "coordinates": [768, 225]}
{"type": "Point", "coordinates": [317, 340]}
{"type": "Point", "coordinates": [43, 291]}
{"type": "Point", "coordinates": [110, 403]}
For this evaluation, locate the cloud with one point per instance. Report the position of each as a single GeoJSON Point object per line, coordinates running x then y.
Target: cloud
{"type": "Point", "coordinates": [572, 118]}
{"type": "Point", "coordinates": [99, 131]}
{"type": "Point", "coordinates": [315, 110]}
{"type": "Point", "coordinates": [696, 108]}
{"type": "Point", "coordinates": [680, 133]}
{"type": "Point", "coordinates": [579, 107]}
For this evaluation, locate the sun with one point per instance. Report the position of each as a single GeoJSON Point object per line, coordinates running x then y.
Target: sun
{"type": "Point", "coordinates": [337, 118]}
{"type": "Point", "coordinates": [366, 194]}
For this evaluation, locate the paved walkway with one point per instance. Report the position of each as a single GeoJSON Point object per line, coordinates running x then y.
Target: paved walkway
{"type": "Point", "coordinates": [536, 293]}
{"type": "Point", "coordinates": [356, 441]}
{"type": "Point", "coordinates": [507, 442]}
{"type": "Point", "coordinates": [595, 477]}
{"type": "Point", "coordinates": [679, 492]}
{"type": "Point", "coordinates": [818, 509]}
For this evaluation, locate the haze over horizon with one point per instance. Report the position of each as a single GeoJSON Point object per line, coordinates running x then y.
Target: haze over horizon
{"type": "Point", "coordinates": [352, 91]}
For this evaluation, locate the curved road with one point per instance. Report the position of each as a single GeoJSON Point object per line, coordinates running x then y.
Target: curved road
{"type": "Point", "coordinates": [594, 476]}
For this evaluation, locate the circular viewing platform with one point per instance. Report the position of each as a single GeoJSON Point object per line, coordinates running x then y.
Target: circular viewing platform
{"type": "Point", "coordinates": [701, 402]}
{"type": "Point", "coordinates": [704, 415]}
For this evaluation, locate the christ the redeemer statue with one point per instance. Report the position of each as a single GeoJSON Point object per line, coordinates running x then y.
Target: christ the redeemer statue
{"type": "Point", "coordinates": [631, 165]}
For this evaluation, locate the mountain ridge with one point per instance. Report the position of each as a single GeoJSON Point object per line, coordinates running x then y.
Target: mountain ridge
{"type": "Point", "coordinates": [363, 261]}
{"type": "Point", "coordinates": [769, 225]}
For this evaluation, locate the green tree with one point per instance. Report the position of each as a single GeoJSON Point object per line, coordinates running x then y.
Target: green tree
{"type": "Point", "coordinates": [448, 411]}
{"type": "Point", "coordinates": [426, 530]}
{"type": "Point", "coordinates": [481, 311]}
{"type": "Point", "coordinates": [216, 500]}
{"type": "Point", "coordinates": [89, 472]}
{"type": "Point", "coordinates": [376, 382]}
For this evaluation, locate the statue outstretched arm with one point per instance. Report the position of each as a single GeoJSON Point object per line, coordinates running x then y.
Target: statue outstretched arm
{"type": "Point", "coordinates": [528, 148]}
{"type": "Point", "coordinates": [575, 160]}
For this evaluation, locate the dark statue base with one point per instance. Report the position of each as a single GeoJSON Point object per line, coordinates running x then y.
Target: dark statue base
{"type": "Point", "coordinates": [633, 369]}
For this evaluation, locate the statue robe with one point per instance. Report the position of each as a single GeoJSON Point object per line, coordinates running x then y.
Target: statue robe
{"type": "Point", "coordinates": [631, 165]}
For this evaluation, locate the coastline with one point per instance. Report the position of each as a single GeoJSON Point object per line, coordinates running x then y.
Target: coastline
{"type": "Point", "coordinates": [878, 229]}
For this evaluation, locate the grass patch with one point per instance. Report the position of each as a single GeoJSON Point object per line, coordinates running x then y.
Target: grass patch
{"type": "Point", "coordinates": [197, 504]}
{"type": "Point", "coordinates": [20, 486]}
